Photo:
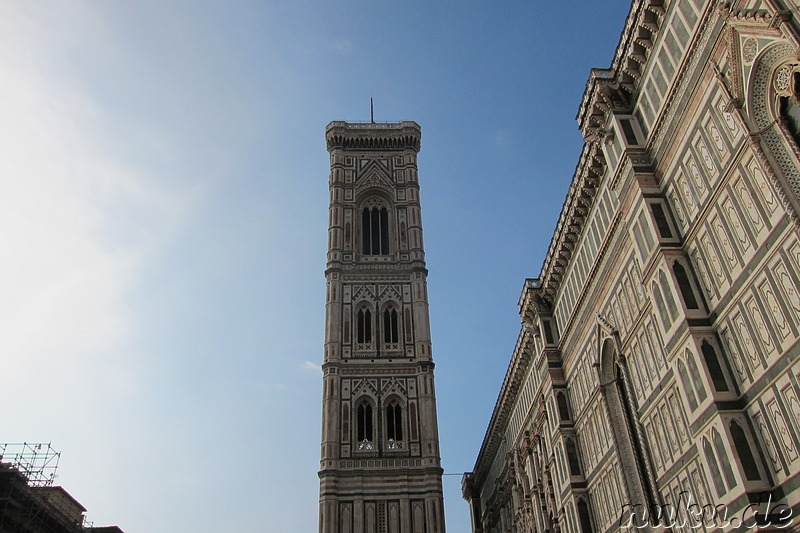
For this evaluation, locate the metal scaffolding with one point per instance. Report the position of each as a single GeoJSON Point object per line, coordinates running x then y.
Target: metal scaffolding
{"type": "Point", "coordinates": [37, 461]}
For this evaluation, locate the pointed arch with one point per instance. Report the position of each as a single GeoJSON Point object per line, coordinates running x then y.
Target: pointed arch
{"type": "Point", "coordinates": [714, 367]}
{"type": "Point", "coordinates": [365, 423]}
{"type": "Point", "coordinates": [375, 226]}
{"type": "Point", "coordinates": [585, 516]}
{"type": "Point", "coordinates": [572, 457]}
{"type": "Point", "coordinates": [684, 285]}
{"type": "Point", "coordinates": [364, 325]}
{"type": "Point", "coordinates": [745, 453]}
{"type": "Point", "coordinates": [390, 325]}
{"type": "Point", "coordinates": [563, 407]}
{"type": "Point", "coordinates": [624, 428]}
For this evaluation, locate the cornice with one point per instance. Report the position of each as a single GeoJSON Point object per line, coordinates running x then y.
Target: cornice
{"type": "Point", "coordinates": [580, 197]}
{"type": "Point", "coordinates": [515, 374]}
{"type": "Point", "coordinates": [373, 135]}
{"type": "Point", "coordinates": [613, 88]}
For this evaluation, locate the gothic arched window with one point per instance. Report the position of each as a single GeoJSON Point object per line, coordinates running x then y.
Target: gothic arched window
{"type": "Point", "coordinates": [375, 231]}
{"type": "Point", "coordinates": [394, 422]}
{"type": "Point", "coordinates": [684, 286]}
{"type": "Point", "coordinates": [746, 458]}
{"type": "Point", "coordinates": [572, 457]}
{"type": "Point", "coordinates": [788, 84]}
{"type": "Point", "coordinates": [390, 329]}
{"type": "Point", "coordinates": [364, 426]}
{"type": "Point", "coordinates": [585, 517]}
{"type": "Point", "coordinates": [364, 326]}
{"type": "Point", "coordinates": [714, 368]}
{"type": "Point", "coordinates": [563, 408]}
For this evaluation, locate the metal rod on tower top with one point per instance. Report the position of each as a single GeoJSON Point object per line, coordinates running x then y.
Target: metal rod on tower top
{"type": "Point", "coordinates": [371, 111]}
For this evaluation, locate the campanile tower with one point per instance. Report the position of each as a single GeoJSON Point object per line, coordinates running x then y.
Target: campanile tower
{"type": "Point", "coordinates": [380, 470]}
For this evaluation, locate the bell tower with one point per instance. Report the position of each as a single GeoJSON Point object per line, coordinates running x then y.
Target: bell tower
{"type": "Point", "coordinates": [380, 470]}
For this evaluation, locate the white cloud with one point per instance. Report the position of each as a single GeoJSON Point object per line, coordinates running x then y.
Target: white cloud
{"type": "Point", "coordinates": [313, 367]}
{"type": "Point", "coordinates": [76, 222]}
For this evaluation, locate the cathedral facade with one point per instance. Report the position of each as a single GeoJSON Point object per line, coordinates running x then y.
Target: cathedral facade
{"type": "Point", "coordinates": [655, 382]}
{"type": "Point", "coordinates": [380, 470]}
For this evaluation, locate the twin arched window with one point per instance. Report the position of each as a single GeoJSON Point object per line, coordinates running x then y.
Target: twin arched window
{"type": "Point", "coordinates": [375, 231]}
{"type": "Point", "coordinates": [365, 430]}
{"type": "Point", "coordinates": [364, 326]}
{"type": "Point", "coordinates": [390, 325]}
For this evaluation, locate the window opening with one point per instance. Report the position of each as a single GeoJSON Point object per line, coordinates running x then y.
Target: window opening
{"type": "Point", "coordinates": [394, 425]}
{"type": "Point", "coordinates": [627, 129]}
{"type": "Point", "coordinates": [661, 221]}
{"type": "Point", "coordinates": [685, 287]}
{"type": "Point", "coordinates": [364, 426]}
{"type": "Point", "coordinates": [585, 517]}
{"type": "Point", "coordinates": [714, 368]}
{"type": "Point", "coordinates": [375, 231]}
{"type": "Point", "coordinates": [364, 326]}
{"type": "Point", "coordinates": [572, 457]}
{"type": "Point", "coordinates": [745, 453]}
{"type": "Point", "coordinates": [390, 330]}
{"type": "Point", "coordinates": [563, 409]}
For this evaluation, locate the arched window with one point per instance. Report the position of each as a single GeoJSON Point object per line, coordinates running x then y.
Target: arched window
{"type": "Point", "coordinates": [661, 221]}
{"type": "Point", "coordinates": [685, 287]}
{"type": "Point", "coordinates": [375, 231]}
{"type": "Point", "coordinates": [746, 458]}
{"type": "Point", "coordinates": [694, 372]}
{"type": "Point", "coordinates": [364, 326]}
{"type": "Point", "coordinates": [390, 330]}
{"type": "Point", "coordinates": [572, 457]}
{"type": "Point", "coordinates": [687, 386]}
{"type": "Point", "coordinates": [394, 423]}
{"type": "Point", "coordinates": [714, 368]}
{"type": "Point", "coordinates": [563, 408]}
{"type": "Point", "coordinates": [364, 426]}
{"type": "Point", "coordinates": [629, 439]}
{"type": "Point", "coordinates": [789, 103]}
{"type": "Point", "coordinates": [585, 517]}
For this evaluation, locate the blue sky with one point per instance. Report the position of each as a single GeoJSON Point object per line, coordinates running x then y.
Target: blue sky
{"type": "Point", "coordinates": [163, 221]}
